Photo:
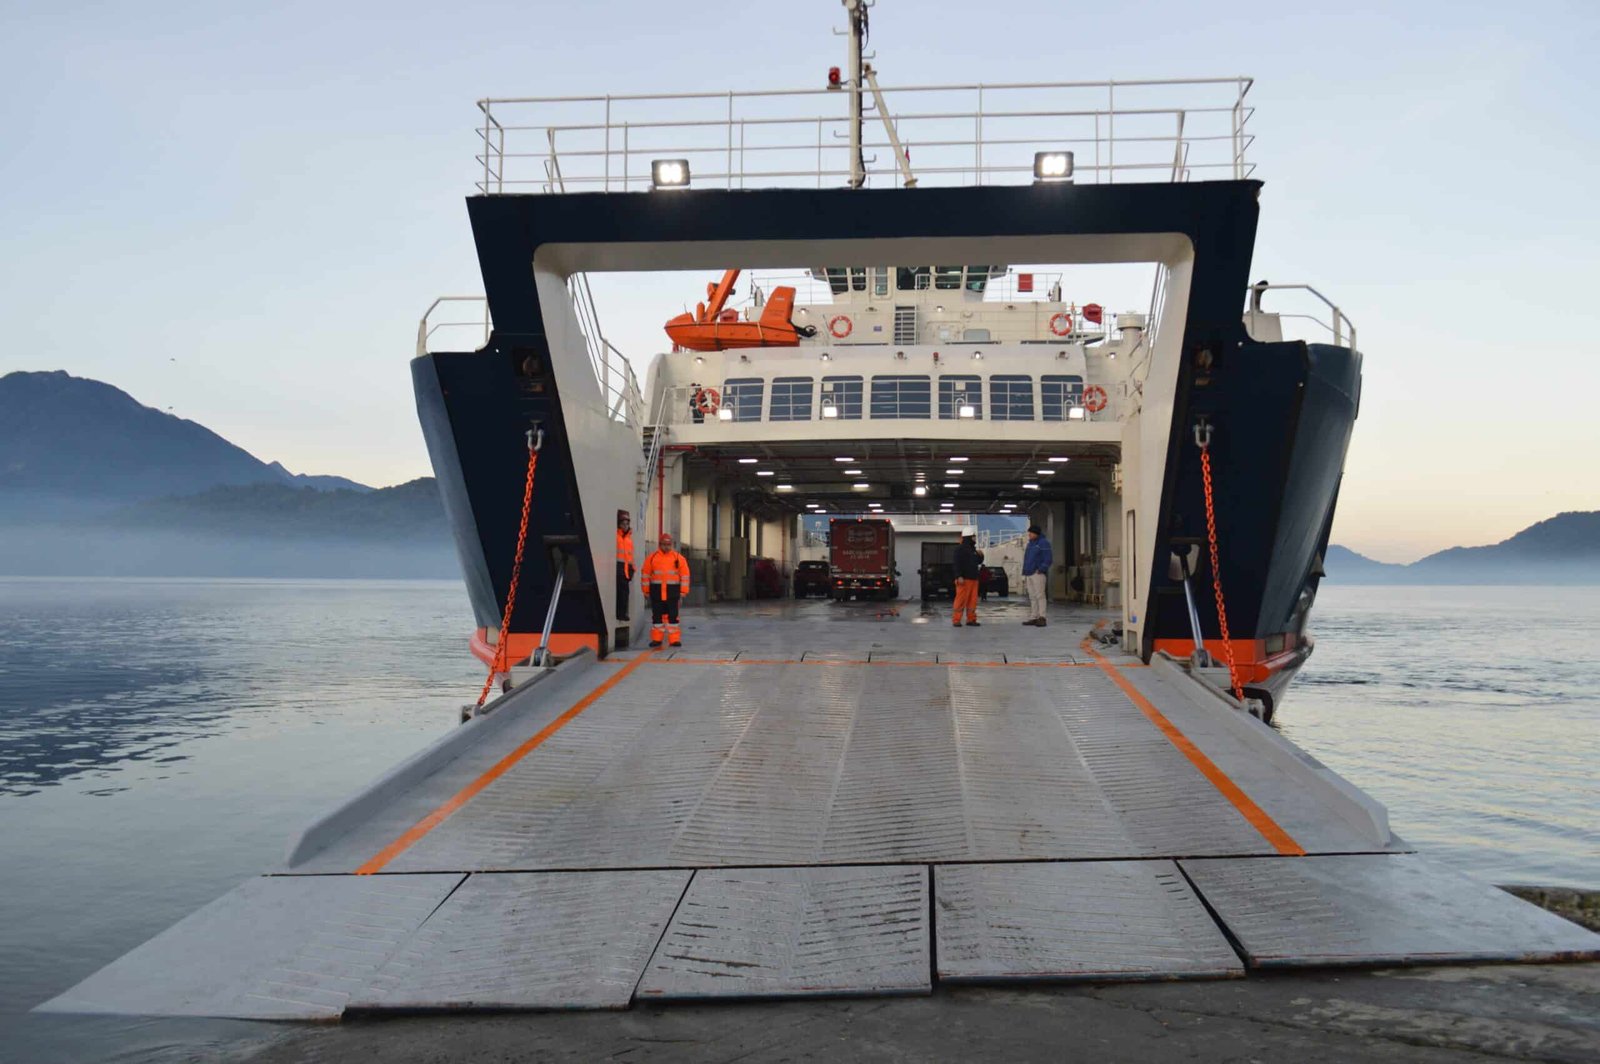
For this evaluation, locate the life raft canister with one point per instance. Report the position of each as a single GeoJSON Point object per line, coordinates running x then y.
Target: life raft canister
{"type": "Point", "coordinates": [1061, 323]}
{"type": "Point", "coordinates": [1094, 398]}
{"type": "Point", "coordinates": [707, 401]}
{"type": "Point", "coordinates": [840, 326]}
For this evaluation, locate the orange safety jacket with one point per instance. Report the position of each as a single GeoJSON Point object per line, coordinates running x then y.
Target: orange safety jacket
{"type": "Point", "coordinates": [625, 552]}
{"type": "Point", "coordinates": [665, 566]}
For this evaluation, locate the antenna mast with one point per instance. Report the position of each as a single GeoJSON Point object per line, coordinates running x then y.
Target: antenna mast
{"type": "Point", "coordinates": [856, 12]}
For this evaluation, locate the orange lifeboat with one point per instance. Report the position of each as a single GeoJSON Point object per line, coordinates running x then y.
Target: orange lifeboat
{"type": "Point", "coordinates": [713, 328]}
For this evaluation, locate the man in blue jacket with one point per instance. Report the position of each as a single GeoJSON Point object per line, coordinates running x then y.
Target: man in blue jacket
{"type": "Point", "coordinates": [1035, 567]}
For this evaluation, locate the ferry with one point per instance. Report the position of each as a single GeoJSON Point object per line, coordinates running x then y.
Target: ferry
{"type": "Point", "coordinates": [827, 797]}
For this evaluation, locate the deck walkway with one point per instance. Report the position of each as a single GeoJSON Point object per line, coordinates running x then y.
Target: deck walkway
{"type": "Point", "coordinates": [827, 798]}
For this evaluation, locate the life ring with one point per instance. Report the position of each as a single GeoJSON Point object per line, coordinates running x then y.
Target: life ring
{"type": "Point", "coordinates": [1061, 323]}
{"type": "Point", "coordinates": [840, 326]}
{"type": "Point", "coordinates": [1094, 398]}
{"type": "Point", "coordinates": [706, 400]}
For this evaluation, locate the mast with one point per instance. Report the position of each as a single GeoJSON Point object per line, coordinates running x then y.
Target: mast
{"type": "Point", "coordinates": [856, 12]}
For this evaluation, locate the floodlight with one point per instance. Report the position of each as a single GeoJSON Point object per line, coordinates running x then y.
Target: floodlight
{"type": "Point", "coordinates": [1052, 166]}
{"type": "Point", "coordinates": [674, 173]}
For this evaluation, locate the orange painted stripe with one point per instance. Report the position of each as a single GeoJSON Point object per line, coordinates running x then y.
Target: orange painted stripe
{"type": "Point", "coordinates": [470, 791]}
{"type": "Point", "coordinates": [1281, 840]}
{"type": "Point", "coordinates": [891, 663]}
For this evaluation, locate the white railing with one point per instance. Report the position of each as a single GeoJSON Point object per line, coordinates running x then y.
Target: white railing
{"type": "Point", "coordinates": [1160, 130]}
{"type": "Point", "coordinates": [1338, 322]}
{"type": "Point", "coordinates": [465, 334]}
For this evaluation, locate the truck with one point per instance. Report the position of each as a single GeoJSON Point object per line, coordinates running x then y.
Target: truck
{"type": "Point", "coordinates": [938, 569]}
{"type": "Point", "coordinates": [861, 559]}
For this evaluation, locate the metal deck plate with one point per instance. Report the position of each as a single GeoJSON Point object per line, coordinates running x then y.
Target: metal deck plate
{"type": "Point", "coordinates": [274, 948]}
{"type": "Point", "coordinates": [789, 932]}
{"type": "Point", "coordinates": [1105, 920]}
{"type": "Point", "coordinates": [1377, 909]}
{"type": "Point", "coordinates": [550, 940]}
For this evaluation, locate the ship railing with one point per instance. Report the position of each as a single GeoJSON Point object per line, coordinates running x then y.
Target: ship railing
{"type": "Point", "coordinates": [1162, 130]}
{"type": "Point", "coordinates": [461, 332]}
{"type": "Point", "coordinates": [1000, 537]}
{"type": "Point", "coordinates": [1337, 323]}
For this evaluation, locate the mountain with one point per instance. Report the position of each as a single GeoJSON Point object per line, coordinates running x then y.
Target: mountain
{"type": "Point", "coordinates": [1564, 549]}
{"type": "Point", "coordinates": [71, 444]}
{"type": "Point", "coordinates": [409, 512]}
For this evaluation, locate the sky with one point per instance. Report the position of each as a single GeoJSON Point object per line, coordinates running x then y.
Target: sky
{"type": "Point", "coordinates": [239, 212]}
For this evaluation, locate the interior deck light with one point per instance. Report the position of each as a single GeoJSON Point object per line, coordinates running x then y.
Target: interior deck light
{"type": "Point", "coordinates": [844, 459]}
{"type": "Point", "coordinates": [953, 484]}
{"type": "Point", "coordinates": [861, 486]}
{"type": "Point", "coordinates": [1031, 487]}
{"type": "Point", "coordinates": [959, 458]}
{"type": "Point", "coordinates": [1076, 413]}
{"type": "Point", "coordinates": [748, 461]}
{"type": "Point", "coordinates": [674, 173]}
{"type": "Point", "coordinates": [954, 472]}
{"type": "Point", "coordinates": [1059, 458]}
{"type": "Point", "coordinates": [1052, 166]}
{"type": "Point", "coordinates": [785, 487]}
{"type": "Point", "coordinates": [920, 489]}
{"type": "Point", "coordinates": [765, 473]}
{"type": "Point", "coordinates": [852, 472]}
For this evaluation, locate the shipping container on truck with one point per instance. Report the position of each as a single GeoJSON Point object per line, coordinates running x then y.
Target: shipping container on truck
{"type": "Point", "coordinates": [861, 558]}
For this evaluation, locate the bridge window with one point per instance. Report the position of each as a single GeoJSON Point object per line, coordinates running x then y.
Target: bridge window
{"type": "Point", "coordinates": [948, 278]}
{"type": "Point", "coordinates": [743, 396]}
{"type": "Point", "coordinates": [901, 397]}
{"type": "Point", "coordinates": [958, 391]}
{"type": "Point", "coordinates": [912, 278]}
{"type": "Point", "coordinates": [1010, 398]}
{"type": "Point", "coordinates": [791, 399]}
{"type": "Point", "coordinates": [843, 395]}
{"type": "Point", "coordinates": [1057, 395]}
{"type": "Point", "coordinates": [880, 280]}
{"type": "Point", "coordinates": [842, 279]}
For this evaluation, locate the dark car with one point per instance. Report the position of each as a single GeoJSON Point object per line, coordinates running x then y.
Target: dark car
{"type": "Point", "coordinates": [938, 581]}
{"type": "Point", "coordinates": [810, 578]}
{"type": "Point", "coordinates": [994, 582]}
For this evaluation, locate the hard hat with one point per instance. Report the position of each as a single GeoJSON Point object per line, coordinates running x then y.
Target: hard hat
{"type": "Point", "coordinates": [666, 539]}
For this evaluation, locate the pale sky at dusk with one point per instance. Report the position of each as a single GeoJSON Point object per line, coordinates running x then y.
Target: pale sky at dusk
{"type": "Point", "coordinates": [240, 211]}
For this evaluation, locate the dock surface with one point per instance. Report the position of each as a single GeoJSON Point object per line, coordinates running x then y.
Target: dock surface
{"type": "Point", "coordinates": [827, 799]}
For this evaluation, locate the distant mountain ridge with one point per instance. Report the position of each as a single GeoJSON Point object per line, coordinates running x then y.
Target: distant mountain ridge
{"type": "Point", "coordinates": [1562, 549]}
{"type": "Point", "coordinates": [83, 442]}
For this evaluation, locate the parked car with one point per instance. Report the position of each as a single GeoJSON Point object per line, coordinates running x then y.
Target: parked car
{"type": "Point", "coordinates": [765, 581]}
{"type": "Point", "coordinates": [938, 581]}
{"type": "Point", "coordinates": [811, 578]}
{"type": "Point", "coordinates": [994, 582]}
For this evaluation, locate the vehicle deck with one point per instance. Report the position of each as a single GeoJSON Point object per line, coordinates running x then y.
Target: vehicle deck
{"type": "Point", "coordinates": [827, 798]}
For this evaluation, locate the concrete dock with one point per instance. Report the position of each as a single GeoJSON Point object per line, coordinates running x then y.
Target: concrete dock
{"type": "Point", "coordinates": [828, 800]}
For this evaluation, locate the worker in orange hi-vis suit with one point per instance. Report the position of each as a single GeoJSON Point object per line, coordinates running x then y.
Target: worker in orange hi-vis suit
{"type": "Point", "coordinates": [624, 563]}
{"type": "Point", "coordinates": [969, 567]}
{"type": "Point", "coordinates": [666, 581]}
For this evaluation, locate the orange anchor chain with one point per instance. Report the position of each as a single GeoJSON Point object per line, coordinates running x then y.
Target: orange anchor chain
{"type": "Point", "coordinates": [1202, 437]}
{"type": "Point", "coordinates": [502, 645]}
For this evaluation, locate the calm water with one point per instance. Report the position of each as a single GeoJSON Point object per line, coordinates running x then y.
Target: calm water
{"type": "Point", "coordinates": [162, 740]}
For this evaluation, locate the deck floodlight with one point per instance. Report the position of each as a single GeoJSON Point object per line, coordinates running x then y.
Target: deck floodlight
{"type": "Point", "coordinates": [1052, 166]}
{"type": "Point", "coordinates": [674, 173]}
{"type": "Point", "coordinates": [725, 414]}
{"type": "Point", "coordinates": [1076, 413]}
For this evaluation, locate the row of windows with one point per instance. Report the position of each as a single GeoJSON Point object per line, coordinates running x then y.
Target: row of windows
{"type": "Point", "coordinates": [1011, 397]}
{"type": "Point", "coordinates": [842, 279]}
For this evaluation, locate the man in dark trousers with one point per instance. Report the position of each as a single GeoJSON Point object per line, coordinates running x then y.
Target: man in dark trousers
{"type": "Point", "coordinates": [624, 564]}
{"type": "Point", "coordinates": [969, 563]}
{"type": "Point", "coordinates": [666, 581]}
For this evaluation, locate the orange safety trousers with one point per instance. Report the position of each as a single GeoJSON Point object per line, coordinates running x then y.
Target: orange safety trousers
{"type": "Point", "coordinates": [666, 577]}
{"type": "Point", "coordinates": [966, 599]}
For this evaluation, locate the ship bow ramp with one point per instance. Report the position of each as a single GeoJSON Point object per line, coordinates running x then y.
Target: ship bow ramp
{"type": "Point", "coordinates": [795, 807]}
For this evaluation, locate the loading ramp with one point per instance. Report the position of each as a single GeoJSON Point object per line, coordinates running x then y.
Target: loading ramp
{"type": "Point", "coordinates": [826, 798]}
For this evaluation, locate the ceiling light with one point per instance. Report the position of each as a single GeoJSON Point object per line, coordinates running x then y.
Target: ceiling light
{"type": "Point", "coordinates": [920, 489]}
{"type": "Point", "coordinates": [765, 473]}
{"type": "Point", "coordinates": [748, 461]}
{"type": "Point", "coordinates": [862, 486]}
{"type": "Point", "coordinates": [852, 472]}
{"type": "Point", "coordinates": [959, 458]}
{"type": "Point", "coordinates": [844, 459]}
{"type": "Point", "coordinates": [1058, 458]}
{"type": "Point", "coordinates": [954, 472]}
{"type": "Point", "coordinates": [785, 487]}
{"type": "Point", "coordinates": [1031, 487]}
{"type": "Point", "coordinates": [953, 484]}
{"type": "Point", "coordinates": [1045, 472]}
{"type": "Point", "coordinates": [669, 173]}
{"type": "Point", "coordinates": [977, 356]}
